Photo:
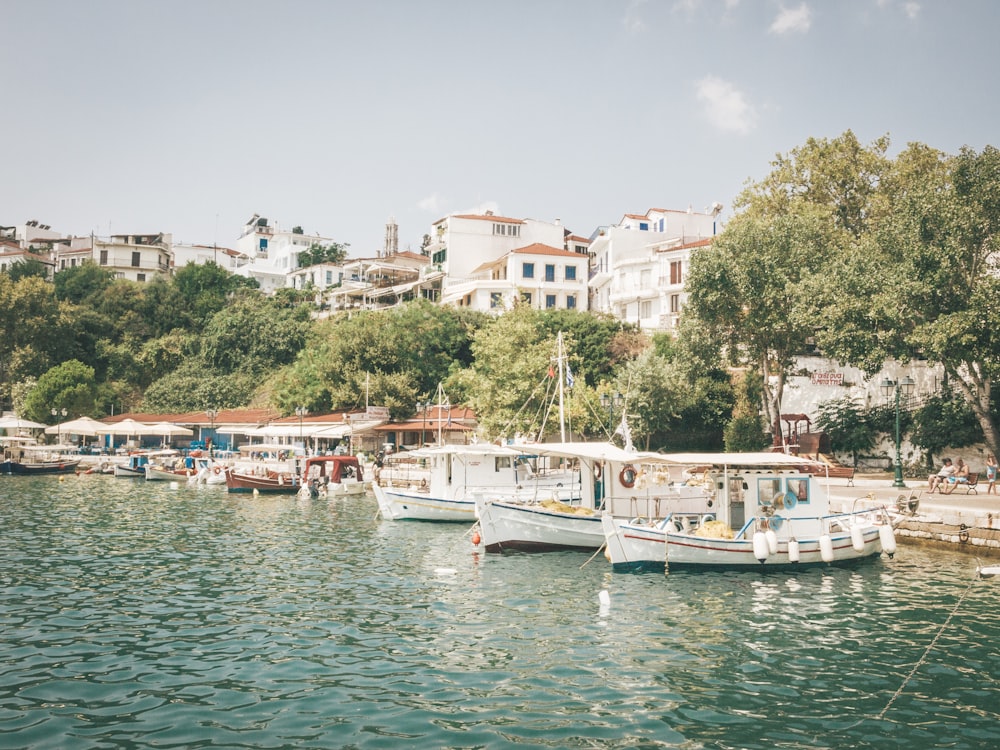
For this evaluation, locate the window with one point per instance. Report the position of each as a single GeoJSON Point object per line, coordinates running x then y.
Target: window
{"type": "Point", "coordinates": [507, 230]}
{"type": "Point", "coordinates": [675, 303]}
{"type": "Point", "coordinates": [646, 309]}
{"type": "Point", "coordinates": [104, 257]}
{"type": "Point", "coordinates": [263, 244]}
{"type": "Point", "coordinates": [550, 272]}
{"type": "Point", "coordinates": [645, 279]}
{"type": "Point", "coordinates": [528, 270]}
{"type": "Point", "coordinates": [570, 273]}
{"type": "Point", "coordinates": [440, 256]}
{"type": "Point", "coordinates": [643, 226]}
{"type": "Point", "coordinates": [140, 277]}
{"type": "Point", "coordinates": [526, 298]}
{"type": "Point", "coordinates": [135, 259]}
{"type": "Point", "coordinates": [550, 301]}
{"type": "Point", "coordinates": [570, 301]}
{"type": "Point", "coordinates": [329, 277]}
{"type": "Point", "coordinates": [675, 272]}
{"type": "Point", "coordinates": [496, 300]}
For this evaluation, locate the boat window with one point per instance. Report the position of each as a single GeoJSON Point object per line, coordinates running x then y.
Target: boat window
{"type": "Point", "coordinates": [503, 462]}
{"type": "Point", "coordinates": [767, 489]}
{"type": "Point", "coordinates": [800, 488]}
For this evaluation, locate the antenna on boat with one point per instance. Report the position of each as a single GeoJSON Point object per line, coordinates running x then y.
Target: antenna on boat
{"type": "Point", "coordinates": [562, 411]}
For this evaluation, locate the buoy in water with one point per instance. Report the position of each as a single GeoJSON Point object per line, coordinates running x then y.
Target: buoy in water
{"type": "Point", "coordinates": [772, 541]}
{"type": "Point", "coordinates": [793, 550]}
{"type": "Point", "coordinates": [760, 547]}
{"type": "Point", "coordinates": [826, 548]}
{"type": "Point", "coordinates": [857, 537]}
{"type": "Point", "coordinates": [476, 539]}
{"type": "Point", "coordinates": [888, 539]}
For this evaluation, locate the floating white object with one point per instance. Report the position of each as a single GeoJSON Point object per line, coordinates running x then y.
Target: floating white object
{"type": "Point", "coordinates": [445, 571]}
{"type": "Point", "coordinates": [604, 598]}
{"type": "Point", "coordinates": [888, 539]}
{"type": "Point", "coordinates": [761, 549]}
{"type": "Point", "coordinates": [772, 541]}
{"type": "Point", "coordinates": [826, 548]}
{"type": "Point", "coordinates": [988, 571]}
{"type": "Point", "coordinates": [793, 550]}
{"type": "Point", "coordinates": [857, 538]}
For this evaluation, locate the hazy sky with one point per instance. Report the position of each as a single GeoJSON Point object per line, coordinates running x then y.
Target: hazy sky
{"type": "Point", "coordinates": [190, 116]}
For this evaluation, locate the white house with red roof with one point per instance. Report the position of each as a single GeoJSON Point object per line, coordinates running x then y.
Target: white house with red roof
{"type": "Point", "coordinates": [639, 265]}
{"type": "Point", "coordinates": [541, 276]}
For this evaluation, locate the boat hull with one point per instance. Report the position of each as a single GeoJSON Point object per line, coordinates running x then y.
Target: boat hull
{"type": "Point", "coordinates": [411, 505]}
{"type": "Point", "coordinates": [534, 527]}
{"type": "Point", "coordinates": [639, 547]}
{"type": "Point", "coordinates": [281, 484]}
{"type": "Point", "coordinates": [44, 467]}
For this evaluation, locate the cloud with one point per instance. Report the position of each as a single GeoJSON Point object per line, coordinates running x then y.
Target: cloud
{"type": "Point", "coordinates": [481, 208]}
{"type": "Point", "coordinates": [432, 204]}
{"type": "Point", "coordinates": [912, 10]}
{"type": "Point", "coordinates": [725, 106]}
{"type": "Point", "coordinates": [792, 20]}
{"type": "Point", "coordinates": [632, 21]}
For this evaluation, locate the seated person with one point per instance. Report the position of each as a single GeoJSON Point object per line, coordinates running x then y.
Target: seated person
{"type": "Point", "coordinates": [947, 470]}
{"type": "Point", "coordinates": [961, 476]}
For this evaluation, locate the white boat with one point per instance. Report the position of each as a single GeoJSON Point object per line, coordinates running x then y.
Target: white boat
{"type": "Point", "coordinates": [769, 513]}
{"type": "Point", "coordinates": [614, 480]}
{"type": "Point", "coordinates": [444, 481]}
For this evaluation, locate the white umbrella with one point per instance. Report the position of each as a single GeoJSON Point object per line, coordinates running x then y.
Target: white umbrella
{"type": "Point", "coordinates": [16, 423]}
{"type": "Point", "coordinates": [167, 429]}
{"type": "Point", "coordinates": [82, 426]}
{"type": "Point", "coordinates": [128, 427]}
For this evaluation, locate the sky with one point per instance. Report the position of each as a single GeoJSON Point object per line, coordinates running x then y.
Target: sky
{"type": "Point", "coordinates": [191, 116]}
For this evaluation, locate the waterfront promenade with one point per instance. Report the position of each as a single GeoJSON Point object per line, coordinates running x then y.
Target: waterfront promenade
{"type": "Point", "coordinates": [961, 522]}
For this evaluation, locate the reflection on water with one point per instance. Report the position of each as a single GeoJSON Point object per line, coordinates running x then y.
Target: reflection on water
{"type": "Point", "coordinates": [144, 615]}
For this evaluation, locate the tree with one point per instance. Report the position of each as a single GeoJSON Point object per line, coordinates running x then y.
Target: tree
{"type": "Point", "coordinates": [748, 292]}
{"type": "Point", "coordinates": [80, 283]}
{"type": "Point", "coordinates": [847, 425]}
{"type": "Point", "coordinates": [335, 252]}
{"type": "Point", "coordinates": [28, 267]}
{"type": "Point", "coordinates": [69, 386]}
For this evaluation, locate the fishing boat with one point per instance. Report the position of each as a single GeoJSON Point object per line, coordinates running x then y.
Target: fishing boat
{"type": "Point", "coordinates": [614, 480]}
{"type": "Point", "coordinates": [770, 512]}
{"type": "Point", "coordinates": [171, 467]}
{"type": "Point", "coordinates": [37, 463]}
{"type": "Point", "coordinates": [134, 467]}
{"type": "Point", "coordinates": [441, 484]}
{"type": "Point", "coordinates": [326, 474]}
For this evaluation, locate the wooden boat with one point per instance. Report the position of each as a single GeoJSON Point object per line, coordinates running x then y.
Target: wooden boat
{"type": "Point", "coordinates": [770, 512]}
{"type": "Point", "coordinates": [441, 484]}
{"type": "Point", "coordinates": [329, 474]}
{"type": "Point", "coordinates": [615, 480]}
{"type": "Point", "coordinates": [31, 468]}
{"type": "Point", "coordinates": [134, 467]}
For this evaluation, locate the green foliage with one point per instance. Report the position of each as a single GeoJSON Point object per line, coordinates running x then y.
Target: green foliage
{"type": "Point", "coordinates": [82, 283]}
{"type": "Point", "coordinates": [593, 338]}
{"type": "Point", "coordinates": [253, 334]}
{"type": "Point", "coordinates": [335, 252]}
{"type": "Point", "coordinates": [945, 421]}
{"type": "Point", "coordinates": [190, 388]}
{"type": "Point", "coordinates": [26, 268]}
{"type": "Point", "coordinates": [745, 431]}
{"type": "Point", "coordinates": [847, 425]}
{"type": "Point", "coordinates": [69, 386]}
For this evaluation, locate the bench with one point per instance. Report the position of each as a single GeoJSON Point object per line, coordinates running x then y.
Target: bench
{"type": "Point", "coordinates": [833, 471]}
{"type": "Point", "coordinates": [969, 486]}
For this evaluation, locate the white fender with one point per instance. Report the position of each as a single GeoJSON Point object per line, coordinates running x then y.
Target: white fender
{"type": "Point", "coordinates": [772, 541]}
{"type": "Point", "coordinates": [857, 537]}
{"type": "Point", "coordinates": [826, 548]}
{"type": "Point", "coordinates": [760, 546]}
{"type": "Point", "coordinates": [888, 539]}
{"type": "Point", "coordinates": [793, 550]}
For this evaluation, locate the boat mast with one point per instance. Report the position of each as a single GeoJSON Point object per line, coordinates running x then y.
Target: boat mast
{"type": "Point", "coordinates": [562, 411]}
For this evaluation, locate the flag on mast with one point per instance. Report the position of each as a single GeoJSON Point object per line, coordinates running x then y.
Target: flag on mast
{"type": "Point", "coordinates": [625, 432]}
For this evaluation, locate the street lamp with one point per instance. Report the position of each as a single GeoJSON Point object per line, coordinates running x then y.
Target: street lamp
{"type": "Point", "coordinates": [211, 414]}
{"type": "Point", "coordinates": [609, 403]}
{"type": "Point", "coordinates": [301, 411]}
{"type": "Point", "coordinates": [57, 413]}
{"type": "Point", "coordinates": [890, 386]}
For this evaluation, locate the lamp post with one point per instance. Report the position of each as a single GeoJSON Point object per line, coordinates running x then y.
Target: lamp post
{"type": "Point", "coordinates": [300, 412]}
{"type": "Point", "coordinates": [906, 386]}
{"type": "Point", "coordinates": [211, 414]}
{"type": "Point", "coordinates": [56, 413]}
{"type": "Point", "coordinates": [609, 403]}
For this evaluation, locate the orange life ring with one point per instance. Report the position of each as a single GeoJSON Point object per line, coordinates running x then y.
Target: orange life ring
{"type": "Point", "coordinates": [627, 476]}
{"type": "Point", "coordinates": [216, 470]}
{"type": "Point", "coordinates": [598, 472]}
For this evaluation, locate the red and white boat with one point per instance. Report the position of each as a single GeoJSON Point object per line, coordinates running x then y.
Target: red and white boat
{"type": "Point", "coordinates": [322, 475]}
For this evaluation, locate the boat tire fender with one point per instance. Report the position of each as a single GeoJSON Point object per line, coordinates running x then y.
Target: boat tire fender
{"type": "Point", "coordinates": [627, 476]}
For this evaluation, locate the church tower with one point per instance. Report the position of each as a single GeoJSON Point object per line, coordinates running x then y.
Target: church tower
{"type": "Point", "coordinates": [391, 238]}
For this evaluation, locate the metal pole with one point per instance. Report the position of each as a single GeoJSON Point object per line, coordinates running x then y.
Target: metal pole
{"type": "Point", "coordinates": [899, 483]}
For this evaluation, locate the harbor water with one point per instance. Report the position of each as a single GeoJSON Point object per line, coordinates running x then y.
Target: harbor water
{"type": "Point", "coordinates": [141, 614]}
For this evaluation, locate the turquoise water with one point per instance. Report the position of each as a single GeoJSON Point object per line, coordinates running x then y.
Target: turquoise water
{"type": "Point", "coordinates": [137, 615]}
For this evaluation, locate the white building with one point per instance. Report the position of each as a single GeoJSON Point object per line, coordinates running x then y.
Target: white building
{"type": "Point", "coordinates": [137, 257]}
{"type": "Point", "coordinates": [638, 266]}
{"type": "Point", "coordinates": [386, 281]}
{"type": "Point", "coordinates": [541, 276]}
{"type": "Point", "coordinates": [273, 253]}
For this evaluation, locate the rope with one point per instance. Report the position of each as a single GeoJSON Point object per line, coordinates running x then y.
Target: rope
{"type": "Point", "coordinates": [927, 651]}
{"type": "Point", "coordinates": [593, 555]}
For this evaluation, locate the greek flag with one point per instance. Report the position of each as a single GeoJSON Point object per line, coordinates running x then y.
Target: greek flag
{"type": "Point", "coordinates": [569, 377]}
